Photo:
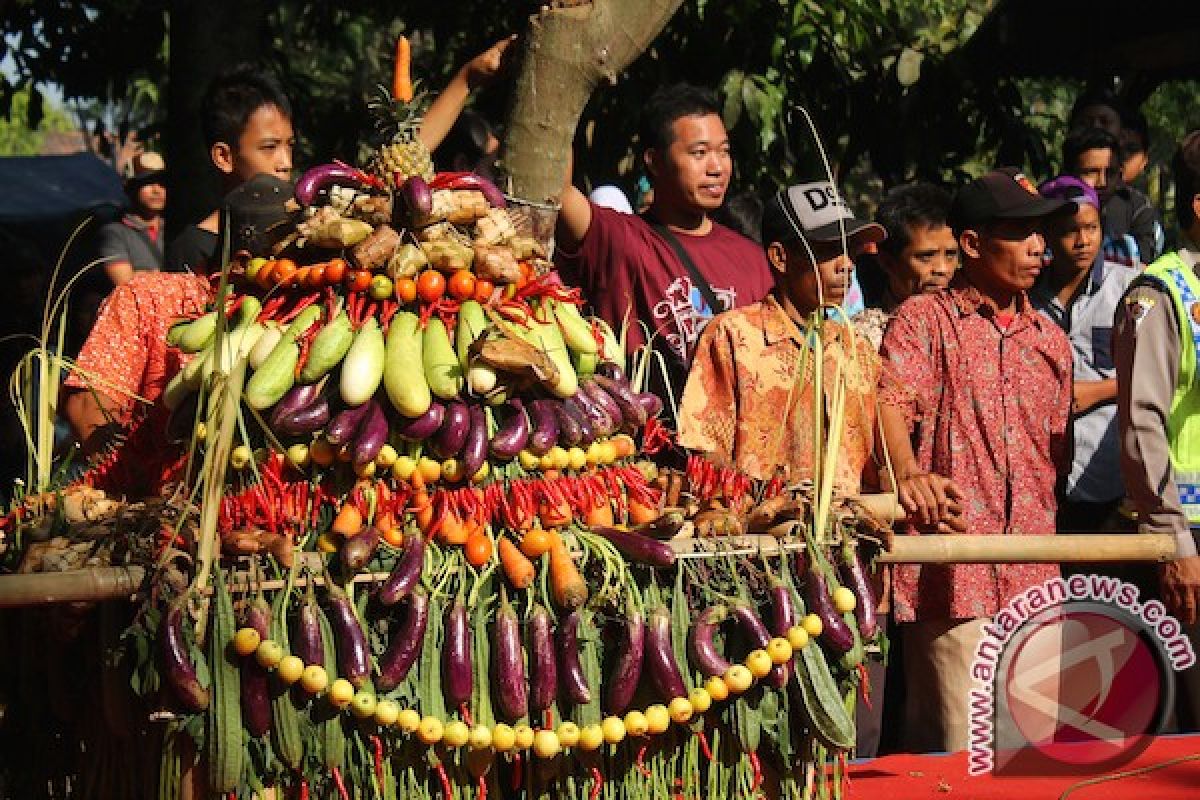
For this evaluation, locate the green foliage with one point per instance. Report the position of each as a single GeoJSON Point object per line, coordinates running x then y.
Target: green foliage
{"type": "Point", "coordinates": [18, 137]}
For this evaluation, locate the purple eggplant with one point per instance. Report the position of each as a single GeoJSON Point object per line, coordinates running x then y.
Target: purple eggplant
{"type": "Point", "coordinates": [424, 426]}
{"type": "Point", "coordinates": [306, 639]}
{"type": "Point", "coordinates": [836, 633]}
{"type": "Point", "coordinates": [452, 435]}
{"type": "Point", "coordinates": [372, 434]}
{"type": "Point", "coordinates": [417, 197]}
{"type": "Point", "coordinates": [651, 402]}
{"type": "Point", "coordinates": [354, 656]}
{"type": "Point", "coordinates": [783, 617]}
{"type": "Point", "coordinates": [545, 426]}
{"type": "Point", "coordinates": [307, 420]}
{"type": "Point", "coordinates": [632, 413]}
{"type": "Point", "coordinates": [405, 646]}
{"type": "Point", "coordinates": [345, 424]}
{"type": "Point", "coordinates": [752, 625]}
{"type": "Point", "coordinates": [508, 662]}
{"type": "Point", "coordinates": [570, 432]}
{"type": "Point", "coordinates": [543, 681]}
{"type": "Point", "coordinates": [701, 648]}
{"type": "Point", "coordinates": [627, 668]}
{"type": "Point", "coordinates": [574, 682]}
{"type": "Point", "coordinates": [602, 400]}
{"type": "Point", "coordinates": [359, 549]}
{"type": "Point", "coordinates": [513, 436]}
{"type": "Point", "coordinates": [574, 406]}
{"type": "Point", "coordinates": [178, 670]}
{"type": "Point", "coordinates": [476, 447]}
{"type": "Point", "coordinates": [324, 176]}
{"type": "Point", "coordinates": [660, 656]}
{"type": "Point", "coordinates": [638, 547]}
{"type": "Point", "coordinates": [856, 577]}
{"type": "Point", "coordinates": [610, 369]}
{"type": "Point", "coordinates": [406, 572]}
{"type": "Point", "coordinates": [255, 680]}
{"type": "Point", "coordinates": [456, 656]}
{"type": "Point", "coordinates": [297, 399]}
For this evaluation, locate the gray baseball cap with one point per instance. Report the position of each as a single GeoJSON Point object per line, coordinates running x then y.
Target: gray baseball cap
{"type": "Point", "coordinates": [816, 212]}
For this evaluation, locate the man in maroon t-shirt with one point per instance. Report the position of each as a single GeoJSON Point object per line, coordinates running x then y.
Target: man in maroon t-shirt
{"type": "Point", "coordinates": [630, 265]}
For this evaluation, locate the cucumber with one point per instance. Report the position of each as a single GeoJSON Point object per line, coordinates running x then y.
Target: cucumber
{"type": "Point", "coordinates": [576, 331]}
{"type": "Point", "coordinates": [328, 349]}
{"type": "Point", "coordinates": [403, 368]}
{"type": "Point", "coordinates": [472, 323]}
{"type": "Point", "coordinates": [443, 372]}
{"type": "Point", "coordinates": [362, 369]}
{"type": "Point", "coordinates": [195, 335]}
{"type": "Point", "coordinates": [272, 333]}
{"type": "Point", "coordinates": [271, 381]}
{"type": "Point", "coordinates": [235, 336]}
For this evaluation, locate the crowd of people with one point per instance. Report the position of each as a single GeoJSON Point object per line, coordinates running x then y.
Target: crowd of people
{"type": "Point", "coordinates": [1027, 357]}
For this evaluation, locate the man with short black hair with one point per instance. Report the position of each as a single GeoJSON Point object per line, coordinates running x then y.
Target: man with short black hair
{"type": "Point", "coordinates": [134, 242]}
{"type": "Point", "coordinates": [920, 253]}
{"type": "Point", "coordinates": [672, 268]}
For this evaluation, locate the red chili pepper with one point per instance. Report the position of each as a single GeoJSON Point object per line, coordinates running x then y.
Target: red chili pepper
{"type": "Point", "coordinates": [443, 179]}
{"type": "Point", "coordinates": [340, 784]}
{"type": "Point", "coordinates": [447, 792]}
{"type": "Point", "coordinates": [757, 767]}
{"type": "Point", "coordinates": [549, 720]}
{"type": "Point", "coordinates": [517, 772]}
{"type": "Point", "coordinates": [704, 748]}
{"type": "Point", "coordinates": [303, 794]}
{"type": "Point", "coordinates": [378, 745]}
{"type": "Point", "coordinates": [597, 783]}
{"type": "Point", "coordinates": [864, 683]}
{"type": "Point", "coordinates": [482, 787]}
{"type": "Point", "coordinates": [304, 302]}
{"type": "Point", "coordinates": [271, 308]}
{"type": "Point", "coordinates": [641, 761]}
{"type": "Point", "coordinates": [465, 713]}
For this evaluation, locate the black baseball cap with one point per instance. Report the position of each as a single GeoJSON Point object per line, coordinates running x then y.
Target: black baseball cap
{"type": "Point", "coordinates": [1003, 193]}
{"type": "Point", "coordinates": [816, 212]}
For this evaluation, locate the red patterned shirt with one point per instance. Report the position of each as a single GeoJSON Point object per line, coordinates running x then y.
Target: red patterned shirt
{"type": "Point", "coordinates": [988, 407]}
{"type": "Point", "coordinates": [126, 356]}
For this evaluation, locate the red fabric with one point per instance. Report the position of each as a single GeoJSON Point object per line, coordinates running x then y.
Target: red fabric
{"type": "Point", "coordinates": [624, 267]}
{"type": "Point", "coordinates": [989, 408]}
{"type": "Point", "coordinates": [900, 777]}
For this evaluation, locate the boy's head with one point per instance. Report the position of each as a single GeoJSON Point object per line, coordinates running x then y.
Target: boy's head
{"type": "Point", "coordinates": [686, 148]}
{"type": "Point", "coordinates": [811, 240]}
{"type": "Point", "coordinates": [998, 220]}
{"type": "Point", "coordinates": [1094, 156]}
{"type": "Point", "coordinates": [247, 125]}
{"type": "Point", "coordinates": [1097, 108]}
{"type": "Point", "coordinates": [920, 253]}
{"type": "Point", "coordinates": [1073, 239]}
{"type": "Point", "coordinates": [1186, 167]}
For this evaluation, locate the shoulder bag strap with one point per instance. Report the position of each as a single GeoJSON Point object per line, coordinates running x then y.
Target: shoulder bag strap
{"type": "Point", "coordinates": [698, 280]}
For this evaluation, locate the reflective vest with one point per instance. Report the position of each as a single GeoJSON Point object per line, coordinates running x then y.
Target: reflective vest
{"type": "Point", "coordinates": [1173, 276]}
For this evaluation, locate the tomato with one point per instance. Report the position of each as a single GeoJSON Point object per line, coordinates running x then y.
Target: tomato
{"type": "Point", "coordinates": [461, 285]}
{"type": "Point", "coordinates": [739, 678]}
{"type": "Point", "coordinates": [636, 723]}
{"type": "Point", "coordinates": [316, 277]}
{"type": "Point", "coordinates": [568, 734]}
{"type": "Point", "coordinates": [341, 692]}
{"type": "Point", "coordinates": [406, 290]}
{"type": "Point", "coordinates": [253, 267]}
{"type": "Point", "coordinates": [546, 744]}
{"type": "Point", "coordinates": [394, 535]}
{"type": "Point", "coordinates": [285, 270]}
{"type": "Point", "coordinates": [524, 737]}
{"type": "Point", "coordinates": [700, 699]}
{"type": "Point", "coordinates": [456, 733]}
{"type": "Point", "coordinates": [483, 290]}
{"type": "Point", "coordinates": [363, 705]}
{"type": "Point", "coordinates": [658, 719]}
{"type": "Point", "coordinates": [536, 542]}
{"type": "Point", "coordinates": [797, 637]}
{"type": "Point", "coordinates": [334, 271]}
{"type": "Point", "coordinates": [386, 713]}
{"type": "Point", "coordinates": [431, 286]}
{"type": "Point", "coordinates": [430, 730]}
{"type": "Point", "coordinates": [358, 280]}
{"type": "Point", "coordinates": [264, 276]}
{"type": "Point", "coordinates": [478, 549]}
{"type": "Point", "coordinates": [481, 737]}
{"type": "Point", "coordinates": [300, 278]}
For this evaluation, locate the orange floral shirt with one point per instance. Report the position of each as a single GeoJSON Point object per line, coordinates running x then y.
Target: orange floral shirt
{"type": "Point", "coordinates": [749, 395]}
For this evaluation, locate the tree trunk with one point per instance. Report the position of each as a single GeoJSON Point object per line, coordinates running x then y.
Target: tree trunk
{"type": "Point", "coordinates": [205, 38]}
{"type": "Point", "coordinates": [569, 49]}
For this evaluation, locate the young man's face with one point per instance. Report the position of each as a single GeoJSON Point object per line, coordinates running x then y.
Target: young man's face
{"type": "Point", "coordinates": [926, 264]}
{"type": "Point", "coordinates": [1006, 254]}
{"type": "Point", "coordinates": [1094, 167]}
{"type": "Point", "coordinates": [151, 199]}
{"type": "Point", "coordinates": [1075, 238]}
{"type": "Point", "coordinates": [694, 171]}
{"type": "Point", "coordinates": [265, 146]}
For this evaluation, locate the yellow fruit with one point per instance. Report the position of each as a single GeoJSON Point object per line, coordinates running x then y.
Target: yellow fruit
{"type": "Point", "coordinates": [593, 453]}
{"type": "Point", "coordinates": [739, 678]}
{"type": "Point", "coordinates": [591, 737]}
{"type": "Point", "coordinates": [366, 470]}
{"type": "Point", "coordinates": [409, 720]}
{"type": "Point", "coordinates": [387, 457]}
{"type": "Point", "coordinates": [528, 460]}
{"type": "Point", "coordinates": [813, 625]}
{"type": "Point", "coordinates": [559, 457]}
{"type": "Point", "coordinates": [844, 600]}
{"type": "Point", "coordinates": [636, 723]}
{"type": "Point", "coordinates": [341, 692]}
{"type": "Point", "coordinates": [716, 687]}
{"type": "Point", "coordinates": [431, 730]}
{"type": "Point", "coordinates": [576, 458]}
{"type": "Point", "coordinates": [481, 737]}
{"type": "Point", "coordinates": [608, 452]}
{"type": "Point", "coordinates": [797, 637]}
{"type": "Point", "coordinates": [700, 699]}
{"type": "Point", "coordinates": [431, 470]}
{"type": "Point", "coordinates": [452, 470]}
{"type": "Point", "coordinates": [326, 543]}
{"type": "Point", "coordinates": [780, 650]}
{"type": "Point", "coordinates": [759, 663]}
{"type": "Point", "coordinates": [268, 654]}
{"type": "Point", "coordinates": [568, 734]}
{"type": "Point", "coordinates": [483, 472]}
{"type": "Point", "coordinates": [504, 738]}
{"type": "Point", "coordinates": [681, 710]}
{"type": "Point", "coordinates": [315, 679]}
{"type": "Point", "coordinates": [658, 719]}
{"type": "Point", "coordinates": [403, 468]}
{"type": "Point", "coordinates": [546, 462]}
{"type": "Point", "coordinates": [386, 713]}
{"type": "Point", "coordinates": [240, 457]}
{"type": "Point", "coordinates": [363, 705]}
{"type": "Point", "coordinates": [524, 737]}
{"type": "Point", "coordinates": [289, 669]}
{"type": "Point", "coordinates": [546, 744]}
{"type": "Point", "coordinates": [456, 734]}
{"type": "Point", "coordinates": [245, 641]}
{"type": "Point", "coordinates": [613, 729]}
{"type": "Point", "coordinates": [297, 455]}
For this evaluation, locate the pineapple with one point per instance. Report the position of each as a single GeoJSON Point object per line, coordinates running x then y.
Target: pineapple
{"type": "Point", "coordinates": [402, 154]}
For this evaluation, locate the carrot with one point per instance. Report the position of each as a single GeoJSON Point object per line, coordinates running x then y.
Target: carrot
{"type": "Point", "coordinates": [402, 87]}
{"type": "Point", "coordinates": [536, 542]}
{"type": "Point", "coordinates": [348, 521]}
{"type": "Point", "coordinates": [451, 529]}
{"type": "Point", "coordinates": [566, 584]}
{"type": "Point", "coordinates": [599, 516]}
{"type": "Point", "coordinates": [478, 549]}
{"type": "Point", "coordinates": [517, 568]}
{"type": "Point", "coordinates": [421, 504]}
{"type": "Point", "coordinates": [641, 513]}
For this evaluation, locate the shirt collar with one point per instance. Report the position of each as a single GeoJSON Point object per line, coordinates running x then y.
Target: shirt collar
{"type": "Point", "coordinates": [969, 300]}
{"type": "Point", "coordinates": [778, 326]}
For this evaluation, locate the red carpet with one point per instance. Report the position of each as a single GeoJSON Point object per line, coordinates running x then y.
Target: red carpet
{"type": "Point", "coordinates": [945, 776]}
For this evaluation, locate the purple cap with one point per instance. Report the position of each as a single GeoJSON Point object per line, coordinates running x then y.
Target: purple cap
{"type": "Point", "coordinates": [1068, 187]}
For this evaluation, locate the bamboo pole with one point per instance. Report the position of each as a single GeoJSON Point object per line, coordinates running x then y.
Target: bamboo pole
{"type": "Point", "coordinates": [79, 585]}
